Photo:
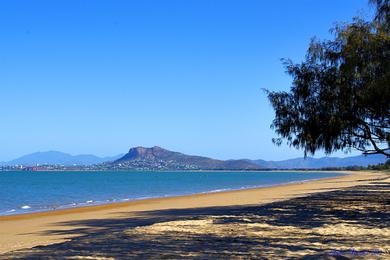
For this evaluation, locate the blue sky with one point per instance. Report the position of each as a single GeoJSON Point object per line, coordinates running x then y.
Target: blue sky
{"type": "Point", "coordinates": [102, 76]}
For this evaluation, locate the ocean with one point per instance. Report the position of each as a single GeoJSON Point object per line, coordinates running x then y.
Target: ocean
{"type": "Point", "coordinates": [26, 192]}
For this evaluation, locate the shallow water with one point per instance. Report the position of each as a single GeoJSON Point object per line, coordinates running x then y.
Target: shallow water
{"type": "Point", "coordinates": [24, 192]}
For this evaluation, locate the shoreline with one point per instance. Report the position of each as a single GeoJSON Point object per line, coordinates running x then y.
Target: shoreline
{"type": "Point", "coordinates": [168, 171]}
{"type": "Point", "coordinates": [32, 229]}
{"type": "Point", "coordinates": [90, 205]}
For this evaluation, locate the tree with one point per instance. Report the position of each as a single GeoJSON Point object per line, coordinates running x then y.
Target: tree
{"type": "Point", "coordinates": [340, 93]}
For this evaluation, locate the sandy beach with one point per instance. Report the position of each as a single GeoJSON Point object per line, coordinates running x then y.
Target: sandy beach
{"type": "Point", "coordinates": [196, 216]}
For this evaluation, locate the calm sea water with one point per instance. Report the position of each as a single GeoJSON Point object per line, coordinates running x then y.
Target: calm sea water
{"type": "Point", "coordinates": [24, 192]}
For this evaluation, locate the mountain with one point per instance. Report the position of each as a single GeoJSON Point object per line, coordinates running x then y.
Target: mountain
{"type": "Point", "coordinates": [316, 163]}
{"type": "Point", "coordinates": [59, 158]}
{"type": "Point", "coordinates": [159, 158]}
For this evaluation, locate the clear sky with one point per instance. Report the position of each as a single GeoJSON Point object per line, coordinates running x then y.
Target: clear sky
{"type": "Point", "coordinates": [102, 76]}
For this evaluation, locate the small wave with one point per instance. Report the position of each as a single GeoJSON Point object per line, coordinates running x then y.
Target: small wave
{"type": "Point", "coordinates": [147, 197]}
{"type": "Point", "coordinates": [89, 201]}
{"type": "Point", "coordinates": [217, 190]}
{"type": "Point", "coordinates": [11, 210]}
{"type": "Point", "coordinates": [25, 207]}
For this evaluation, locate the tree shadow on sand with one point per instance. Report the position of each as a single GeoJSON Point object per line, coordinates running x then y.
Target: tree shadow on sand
{"type": "Point", "coordinates": [349, 223]}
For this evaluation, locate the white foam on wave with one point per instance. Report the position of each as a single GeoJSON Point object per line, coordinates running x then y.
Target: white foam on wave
{"type": "Point", "coordinates": [25, 207]}
{"type": "Point", "coordinates": [217, 190]}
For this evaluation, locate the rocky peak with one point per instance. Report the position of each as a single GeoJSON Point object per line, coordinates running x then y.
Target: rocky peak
{"type": "Point", "coordinates": [143, 153]}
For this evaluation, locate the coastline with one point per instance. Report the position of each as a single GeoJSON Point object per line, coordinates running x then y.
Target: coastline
{"type": "Point", "coordinates": [26, 207]}
{"type": "Point", "coordinates": [33, 229]}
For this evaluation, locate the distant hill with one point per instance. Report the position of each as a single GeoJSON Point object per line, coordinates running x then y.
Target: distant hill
{"type": "Point", "coordinates": [59, 158]}
{"type": "Point", "coordinates": [316, 163]}
{"type": "Point", "coordinates": [159, 158]}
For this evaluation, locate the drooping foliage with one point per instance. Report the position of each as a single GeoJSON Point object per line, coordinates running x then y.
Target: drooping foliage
{"type": "Point", "coordinates": [340, 93]}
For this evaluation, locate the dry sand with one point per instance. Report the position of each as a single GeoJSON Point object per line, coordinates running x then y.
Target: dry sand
{"type": "Point", "coordinates": [37, 229]}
